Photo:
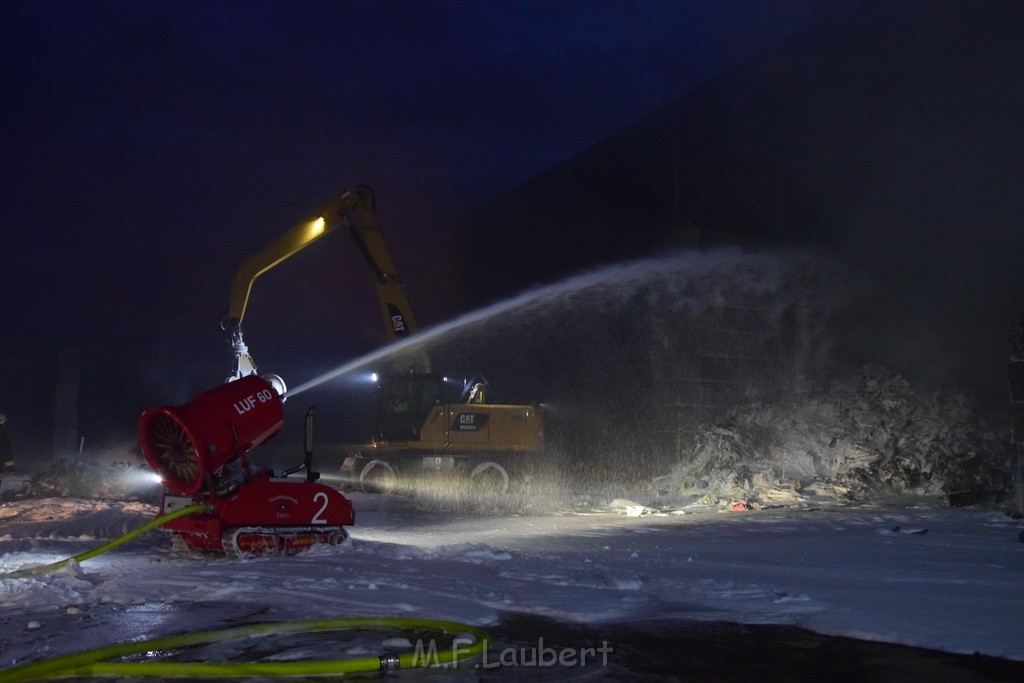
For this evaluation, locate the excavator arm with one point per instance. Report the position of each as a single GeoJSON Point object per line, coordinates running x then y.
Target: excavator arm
{"type": "Point", "coordinates": [357, 203]}
{"type": "Point", "coordinates": [395, 309]}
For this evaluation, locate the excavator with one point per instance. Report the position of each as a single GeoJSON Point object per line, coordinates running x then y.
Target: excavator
{"type": "Point", "coordinates": [425, 426]}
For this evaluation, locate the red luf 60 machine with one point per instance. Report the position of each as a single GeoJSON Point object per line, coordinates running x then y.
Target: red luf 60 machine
{"type": "Point", "coordinates": [199, 450]}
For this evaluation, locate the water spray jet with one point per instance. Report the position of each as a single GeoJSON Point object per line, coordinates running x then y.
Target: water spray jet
{"type": "Point", "coordinates": [533, 300]}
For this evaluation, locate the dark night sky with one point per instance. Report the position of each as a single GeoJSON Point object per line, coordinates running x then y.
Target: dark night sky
{"type": "Point", "coordinates": [149, 147]}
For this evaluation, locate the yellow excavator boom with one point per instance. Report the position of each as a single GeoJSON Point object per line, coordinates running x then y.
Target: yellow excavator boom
{"type": "Point", "coordinates": [369, 238]}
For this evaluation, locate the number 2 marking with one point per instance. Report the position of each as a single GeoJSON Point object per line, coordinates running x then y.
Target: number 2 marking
{"type": "Point", "coordinates": [316, 518]}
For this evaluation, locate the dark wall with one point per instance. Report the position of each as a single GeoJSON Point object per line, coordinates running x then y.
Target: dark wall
{"type": "Point", "coordinates": [887, 135]}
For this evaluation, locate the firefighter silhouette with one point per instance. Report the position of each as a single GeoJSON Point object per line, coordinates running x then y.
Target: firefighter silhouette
{"type": "Point", "coordinates": [6, 454]}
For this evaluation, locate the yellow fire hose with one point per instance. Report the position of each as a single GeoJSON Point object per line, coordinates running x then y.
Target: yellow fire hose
{"type": "Point", "coordinates": [81, 557]}
{"type": "Point", "coordinates": [467, 642]}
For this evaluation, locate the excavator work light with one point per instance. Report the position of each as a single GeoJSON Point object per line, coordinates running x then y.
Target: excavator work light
{"type": "Point", "coordinates": [189, 443]}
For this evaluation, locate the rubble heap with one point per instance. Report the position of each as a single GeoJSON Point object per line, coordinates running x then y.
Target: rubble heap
{"type": "Point", "coordinates": [83, 479]}
{"type": "Point", "coordinates": [867, 434]}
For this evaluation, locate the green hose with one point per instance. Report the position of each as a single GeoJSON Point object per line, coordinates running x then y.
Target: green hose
{"type": "Point", "coordinates": [93, 662]}
{"type": "Point", "coordinates": [81, 557]}
{"type": "Point", "coordinates": [471, 644]}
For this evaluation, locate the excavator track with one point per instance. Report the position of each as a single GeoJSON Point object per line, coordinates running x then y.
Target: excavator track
{"type": "Point", "coordinates": [263, 541]}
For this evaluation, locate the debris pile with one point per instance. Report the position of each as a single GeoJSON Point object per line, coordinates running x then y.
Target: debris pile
{"type": "Point", "coordinates": [83, 479]}
{"type": "Point", "coordinates": [866, 435]}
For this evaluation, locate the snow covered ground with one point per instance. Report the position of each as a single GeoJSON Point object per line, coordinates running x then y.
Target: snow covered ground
{"type": "Point", "coordinates": [858, 571]}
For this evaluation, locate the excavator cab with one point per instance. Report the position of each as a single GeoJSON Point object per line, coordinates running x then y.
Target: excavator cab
{"type": "Point", "coordinates": [405, 401]}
